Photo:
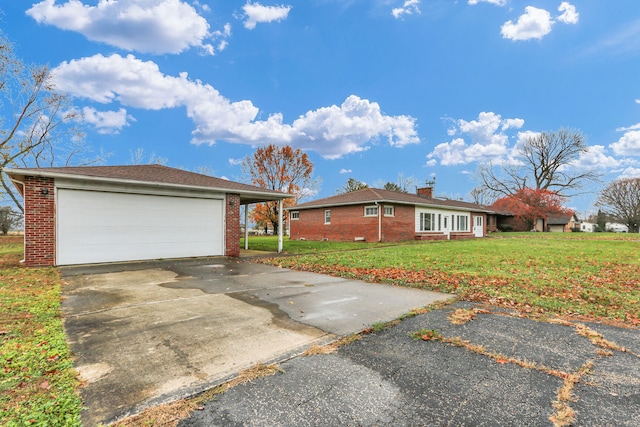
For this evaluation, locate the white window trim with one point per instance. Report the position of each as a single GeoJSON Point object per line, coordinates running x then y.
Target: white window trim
{"type": "Point", "coordinates": [393, 210]}
{"type": "Point", "coordinates": [295, 215]}
{"type": "Point", "coordinates": [327, 212]}
{"type": "Point", "coordinates": [371, 207]}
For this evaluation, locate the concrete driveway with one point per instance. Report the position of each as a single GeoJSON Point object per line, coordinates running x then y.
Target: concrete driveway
{"type": "Point", "coordinates": [147, 333]}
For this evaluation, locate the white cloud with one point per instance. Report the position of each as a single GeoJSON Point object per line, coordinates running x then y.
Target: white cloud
{"type": "Point", "coordinates": [496, 2]}
{"type": "Point", "coordinates": [488, 142]}
{"type": "Point", "coordinates": [632, 127]}
{"type": "Point", "coordinates": [150, 26]}
{"type": "Point", "coordinates": [409, 7]}
{"type": "Point", "coordinates": [569, 14]}
{"type": "Point", "coordinates": [106, 122]}
{"type": "Point", "coordinates": [638, 101]}
{"type": "Point", "coordinates": [595, 158]}
{"type": "Point", "coordinates": [630, 172]}
{"type": "Point", "coordinates": [628, 144]}
{"type": "Point", "coordinates": [343, 171]}
{"type": "Point", "coordinates": [330, 131]}
{"type": "Point", "coordinates": [257, 13]}
{"type": "Point", "coordinates": [533, 24]}
{"type": "Point", "coordinates": [235, 162]}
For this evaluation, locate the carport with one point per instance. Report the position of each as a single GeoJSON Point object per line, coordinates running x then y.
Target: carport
{"type": "Point", "coordinates": [102, 214]}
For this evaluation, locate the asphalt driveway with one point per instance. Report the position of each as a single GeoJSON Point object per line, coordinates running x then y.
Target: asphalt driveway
{"type": "Point", "coordinates": [148, 333]}
{"type": "Point", "coordinates": [497, 369]}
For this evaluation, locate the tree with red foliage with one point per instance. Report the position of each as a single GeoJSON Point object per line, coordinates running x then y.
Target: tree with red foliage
{"type": "Point", "coordinates": [528, 204]}
{"type": "Point", "coordinates": [281, 169]}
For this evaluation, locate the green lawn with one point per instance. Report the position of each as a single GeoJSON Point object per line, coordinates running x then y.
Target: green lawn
{"type": "Point", "coordinates": [38, 386]}
{"type": "Point", "coordinates": [589, 274]}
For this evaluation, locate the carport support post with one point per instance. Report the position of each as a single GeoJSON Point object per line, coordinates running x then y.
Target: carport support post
{"type": "Point", "coordinates": [280, 225]}
{"type": "Point", "coordinates": [246, 227]}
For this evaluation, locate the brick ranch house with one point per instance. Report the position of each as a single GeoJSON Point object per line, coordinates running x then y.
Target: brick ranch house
{"type": "Point", "coordinates": [376, 215]}
{"type": "Point", "coordinates": [97, 214]}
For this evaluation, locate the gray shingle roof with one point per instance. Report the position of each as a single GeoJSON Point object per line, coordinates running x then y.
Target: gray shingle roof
{"type": "Point", "coordinates": [152, 174]}
{"type": "Point", "coordinates": [371, 195]}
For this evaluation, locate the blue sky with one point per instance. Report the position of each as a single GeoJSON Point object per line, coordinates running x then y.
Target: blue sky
{"type": "Point", "coordinates": [368, 88]}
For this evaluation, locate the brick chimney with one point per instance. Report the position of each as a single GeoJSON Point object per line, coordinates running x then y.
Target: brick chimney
{"type": "Point", "coordinates": [426, 192]}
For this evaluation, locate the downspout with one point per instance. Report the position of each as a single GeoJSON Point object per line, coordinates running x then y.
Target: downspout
{"type": "Point", "coordinates": [280, 205]}
{"type": "Point", "coordinates": [24, 220]}
{"type": "Point", "coordinates": [246, 227]}
{"type": "Point", "coordinates": [379, 222]}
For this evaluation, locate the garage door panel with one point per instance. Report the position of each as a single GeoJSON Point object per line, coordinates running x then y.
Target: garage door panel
{"type": "Point", "coordinates": [108, 227]}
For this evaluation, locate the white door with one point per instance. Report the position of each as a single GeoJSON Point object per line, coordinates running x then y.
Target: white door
{"type": "Point", "coordinates": [95, 226]}
{"type": "Point", "coordinates": [478, 226]}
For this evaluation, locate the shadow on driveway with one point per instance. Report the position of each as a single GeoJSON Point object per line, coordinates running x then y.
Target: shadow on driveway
{"type": "Point", "coordinates": [153, 332]}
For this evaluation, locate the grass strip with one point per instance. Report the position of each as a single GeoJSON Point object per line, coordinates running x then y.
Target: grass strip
{"type": "Point", "coordinates": [38, 386]}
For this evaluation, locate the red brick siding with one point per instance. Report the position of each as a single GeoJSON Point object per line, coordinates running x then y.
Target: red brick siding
{"type": "Point", "coordinates": [349, 223]}
{"type": "Point", "coordinates": [401, 226]}
{"type": "Point", "coordinates": [39, 222]}
{"type": "Point", "coordinates": [232, 225]}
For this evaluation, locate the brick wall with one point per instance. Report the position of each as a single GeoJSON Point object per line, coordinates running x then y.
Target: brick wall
{"type": "Point", "coordinates": [348, 223]}
{"type": "Point", "coordinates": [232, 225]}
{"type": "Point", "coordinates": [39, 222]}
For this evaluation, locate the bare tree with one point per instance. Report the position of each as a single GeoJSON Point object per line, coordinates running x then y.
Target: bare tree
{"type": "Point", "coordinates": [34, 117]}
{"type": "Point", "coordinates": [545, 163]}
{"type": "Point", "coordinates": [137, 157]}
{"type": "Point", "coordinates": [9, 219]}
{"type": "Point", "coordinates": [480, 197]}
{"type": "Point", "coordinates": [621, 201]}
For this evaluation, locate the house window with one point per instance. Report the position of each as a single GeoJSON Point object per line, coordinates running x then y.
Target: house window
{"type": "Point", "coordinates": [295, 215]}
{"type": "Point", "coordinates": [389, 211]}
{"type": "Point", "coordinates": [327, 216]}
{"type": "Point", "coordinates": [463, 223]}
{"type": "Point", "coordinates": [430, 221]}
{"type": "Point", "coordinates": [370, 211]}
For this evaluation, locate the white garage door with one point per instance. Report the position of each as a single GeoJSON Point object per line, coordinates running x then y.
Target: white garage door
{"type": "Point", "coordinates": [94, 226]}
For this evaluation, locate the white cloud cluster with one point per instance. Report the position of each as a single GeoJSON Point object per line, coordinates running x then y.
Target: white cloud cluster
{"type": "Point", "coordinates": [536, 23]}
{"type": "Point", "coordinates": [409, 7]}
{"type": "Point", "coordinates": [330, 131]}
{"type": "Point", "coordinates": [106, 122]}
{"type": "Point", "coordinates": [149, 26]}
{"type": "Point", "coordinates": [596, 158]}
{"type": "Point", "coordinates": [488, 141]}
{"type": "Point", "coordinates": [496, 2]}
{"type": "Point", "coordinates": [569, 14]}
{"type": "Point", "coordinates": [629, 142]}
{"type": "Point", "coordinates": [257, 13]}
{"type": "Point", "coordinates": [343, 171]}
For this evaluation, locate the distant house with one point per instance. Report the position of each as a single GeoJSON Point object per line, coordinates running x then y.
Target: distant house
{"type": "Point", "coordinates": [502, 220]}
{"type": "Point", "coordinates": [376, 215]}
{"type": "Point", "coordinates": [588, 227]}
{"type": "Point", "coordinates": [561, 223]}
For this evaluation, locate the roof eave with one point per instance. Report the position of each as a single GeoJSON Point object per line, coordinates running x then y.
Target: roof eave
{"type": "Point", "coordinates": [397, 202]}
{"type": "Point", "coordinates": [254, 196]}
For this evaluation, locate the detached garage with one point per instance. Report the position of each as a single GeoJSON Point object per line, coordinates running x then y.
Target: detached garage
{"type": "Point", "coordinates": [98, 214]}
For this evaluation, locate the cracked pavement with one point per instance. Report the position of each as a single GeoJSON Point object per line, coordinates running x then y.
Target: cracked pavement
{"type": "Point", "coordinates": [496, 370]}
